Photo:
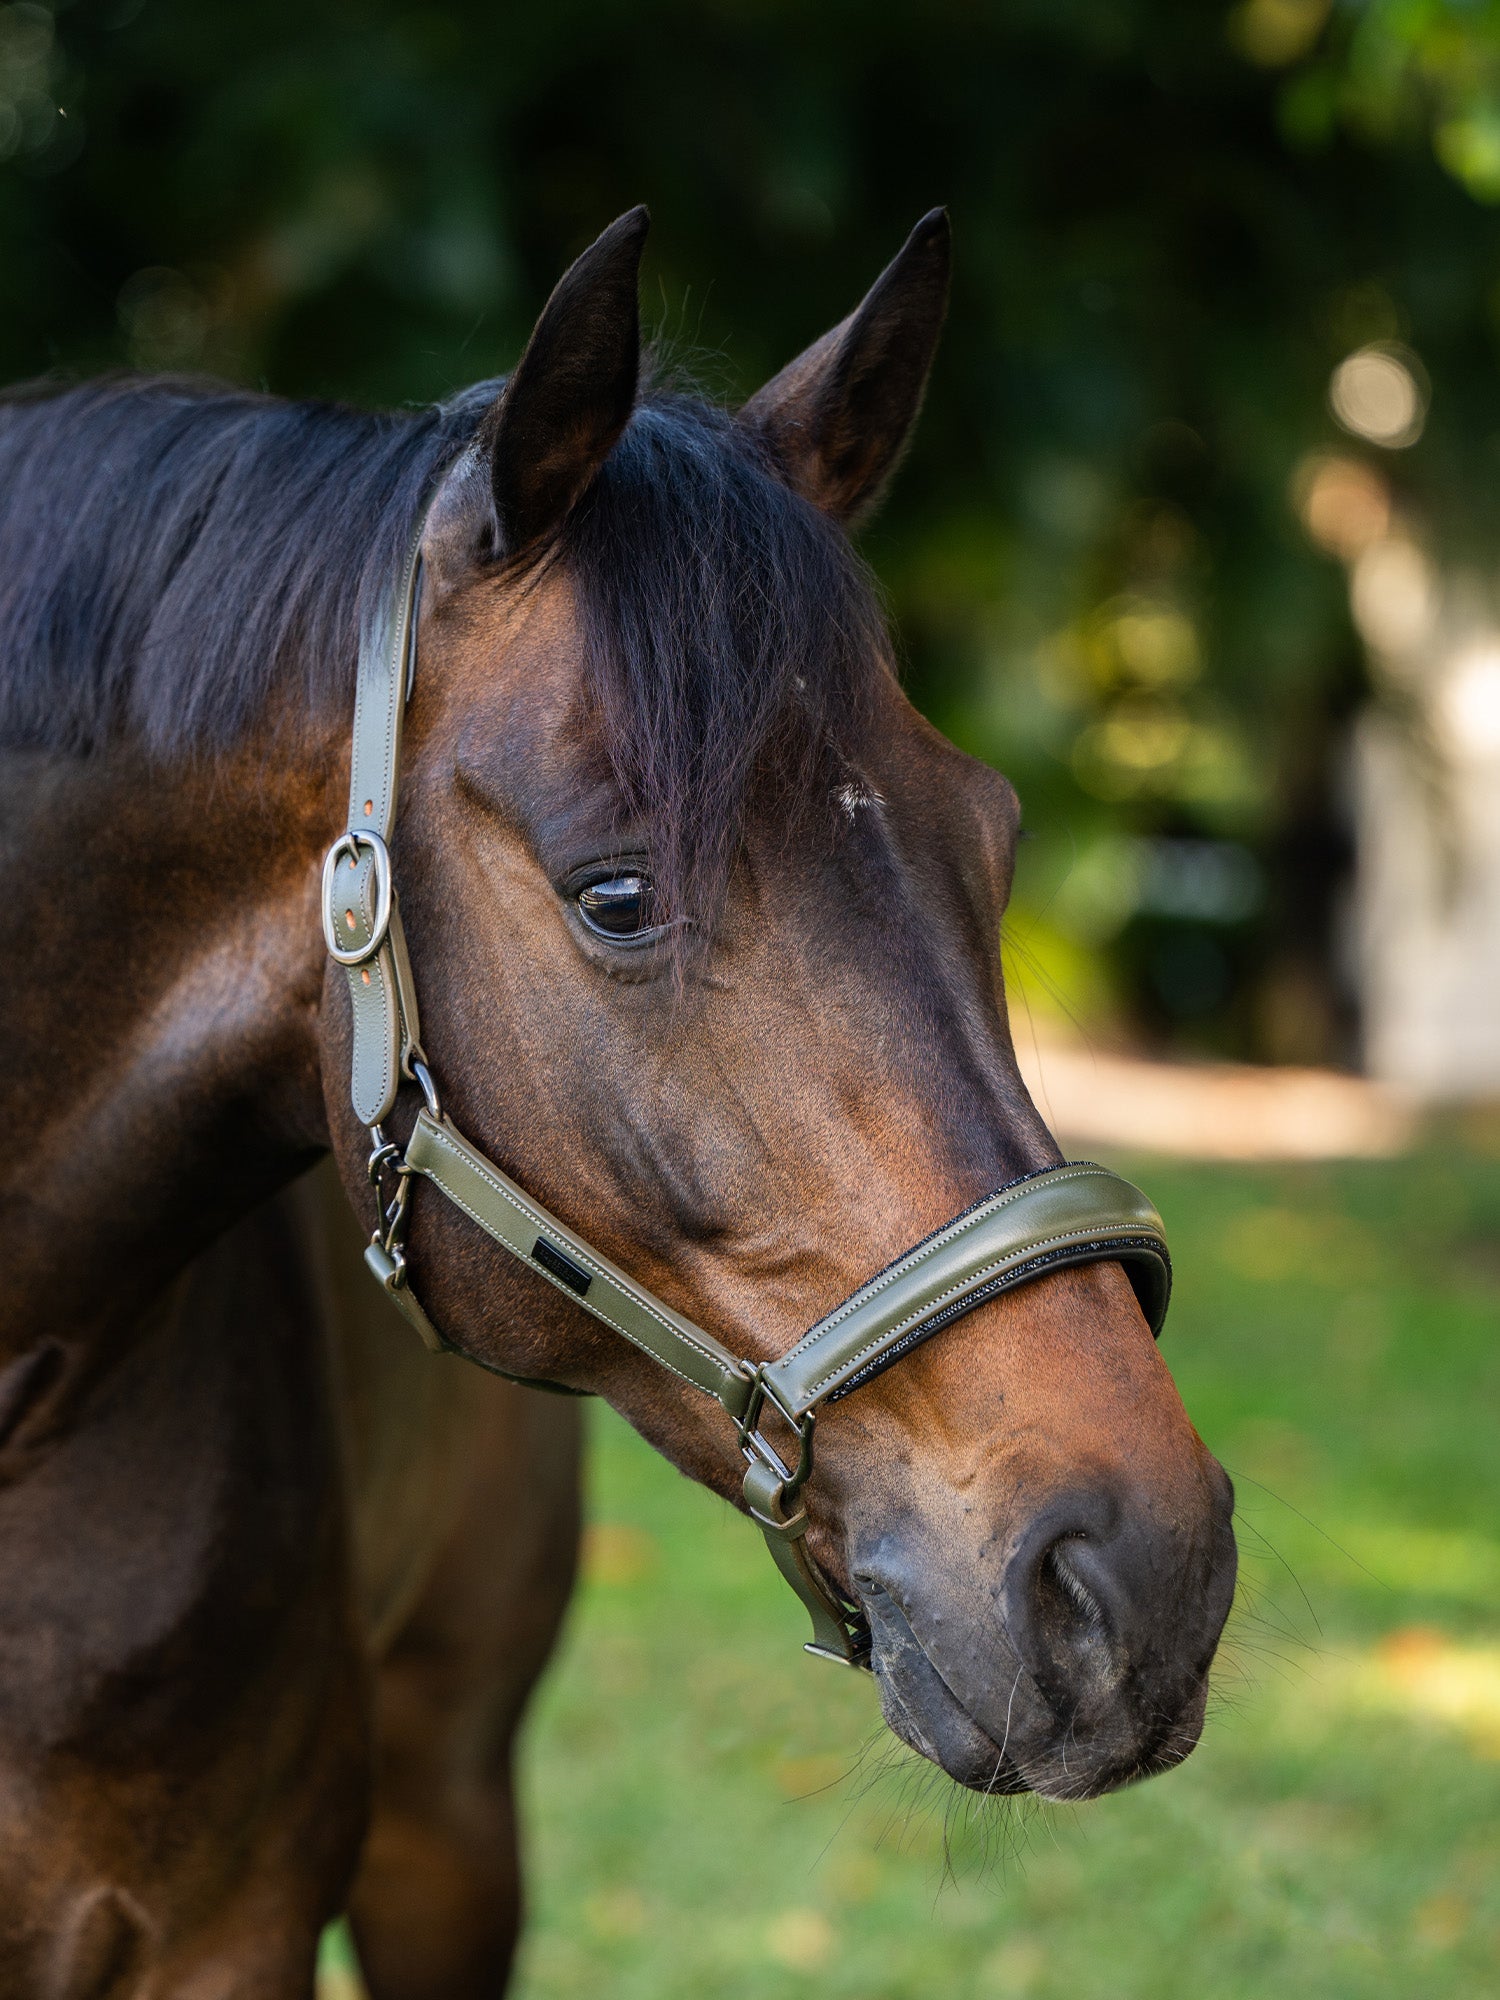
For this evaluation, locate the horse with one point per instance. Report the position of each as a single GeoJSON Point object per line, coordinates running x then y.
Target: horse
{"type": "Point", "coordinates": [706, 918]}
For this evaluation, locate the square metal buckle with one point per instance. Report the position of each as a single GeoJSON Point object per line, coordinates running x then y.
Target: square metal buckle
{"type": "Point", "coordinates": [755, 1446]}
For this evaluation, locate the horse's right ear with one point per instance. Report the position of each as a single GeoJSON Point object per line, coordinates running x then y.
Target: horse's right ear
{"type": "Point", "coordinates": [561, 412]}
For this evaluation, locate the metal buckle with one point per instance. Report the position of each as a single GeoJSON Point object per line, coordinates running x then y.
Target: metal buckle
{"type": "Point", "coordinates": [753, 1445]}
{"type": "Point", "coordinates": [350, 843]}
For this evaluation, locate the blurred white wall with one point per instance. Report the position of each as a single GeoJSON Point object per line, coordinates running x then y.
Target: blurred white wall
{"type": "Point", "coordinates": [1425, 937]}
{"type": "Point", "coordinates": [1427, 895]}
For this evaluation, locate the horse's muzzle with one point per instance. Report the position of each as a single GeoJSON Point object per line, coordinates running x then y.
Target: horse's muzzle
{"type": "Point", "coordinates": [1076, 1664]}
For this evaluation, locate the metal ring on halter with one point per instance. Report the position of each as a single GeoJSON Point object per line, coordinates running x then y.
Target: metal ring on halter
{"type": "Point", "coordinates": [419, 1072]}
{"type": "Point", "coordinates": [350, 843]}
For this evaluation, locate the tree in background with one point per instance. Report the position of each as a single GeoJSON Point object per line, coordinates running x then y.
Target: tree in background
{"type": "Point", "coordinates": [1115, 554]}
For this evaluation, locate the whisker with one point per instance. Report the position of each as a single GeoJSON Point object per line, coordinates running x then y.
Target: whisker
{"type": "Point", "coordinates": [1284, 1502]}
{"type": "Point", "coordinates": [1240, 1520]}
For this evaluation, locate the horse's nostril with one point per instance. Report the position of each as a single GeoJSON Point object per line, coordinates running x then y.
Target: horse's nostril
{"type": "Point", "coordinates": [1073, 1655]}
{"type": "Point", "coordinates": [1062, 1615]}
{"type": "Point", "coordinates": [1057, 1572]}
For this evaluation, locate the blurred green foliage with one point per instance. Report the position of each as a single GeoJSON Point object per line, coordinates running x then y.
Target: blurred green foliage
{"type": "Point", "coordinates": [1173, 220]}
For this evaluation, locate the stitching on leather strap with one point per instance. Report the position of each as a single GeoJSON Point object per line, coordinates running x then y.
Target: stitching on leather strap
{"type": "Point", "coordinates": [538, 1218]}
{"type": "Point", "coordinates": [912, 1260]}
{"type": "Point", "coordinates": [1072, 1238]}
{"type": "Point", "coordinates": [365, 1002]}
{"type": "Point", "coordinates": [1093, 1250]}
{"type": "Point", "coordinates": [390, 684]}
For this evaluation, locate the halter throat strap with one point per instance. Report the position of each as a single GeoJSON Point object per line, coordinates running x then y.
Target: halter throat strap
{"type": "Point", "coordinates": [1073, 1214]}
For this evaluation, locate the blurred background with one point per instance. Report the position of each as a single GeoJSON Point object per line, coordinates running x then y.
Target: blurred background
{"type": "Point", "coordinates": [1198, 543]}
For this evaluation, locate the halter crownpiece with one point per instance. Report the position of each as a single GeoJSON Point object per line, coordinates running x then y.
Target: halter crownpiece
{"type": "Point", "coordinates": [1074, 1214]}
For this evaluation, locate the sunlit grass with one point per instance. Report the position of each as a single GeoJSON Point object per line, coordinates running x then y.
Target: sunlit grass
{"type": "Point", "coordinates": [712, 1813]}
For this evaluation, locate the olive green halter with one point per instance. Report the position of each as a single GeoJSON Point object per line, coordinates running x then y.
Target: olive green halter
{"type": "Point", "coordinates": [1074, 1214]}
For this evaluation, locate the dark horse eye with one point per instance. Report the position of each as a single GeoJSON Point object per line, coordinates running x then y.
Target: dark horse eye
{"type": "Point", "coordinates": [620, 907]}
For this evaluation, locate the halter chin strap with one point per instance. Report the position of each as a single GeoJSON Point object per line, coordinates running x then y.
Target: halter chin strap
{"type": "Point", "coordinates": [1075, 1214]}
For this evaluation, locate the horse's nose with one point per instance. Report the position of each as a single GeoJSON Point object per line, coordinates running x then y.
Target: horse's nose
{"type": "Point", "coordinates": [1092, 1594]}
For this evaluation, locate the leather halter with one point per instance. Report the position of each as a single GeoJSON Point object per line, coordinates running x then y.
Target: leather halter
{"type": "Point", "coordinates": [1074, 1214]}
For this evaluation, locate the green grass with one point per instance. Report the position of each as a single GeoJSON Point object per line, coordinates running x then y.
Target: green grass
{"type": "Point", "coordinates": [709, 1812]}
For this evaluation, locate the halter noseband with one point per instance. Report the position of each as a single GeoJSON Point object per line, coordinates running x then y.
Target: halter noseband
{"type": "Point", "coordinates": [1074, 1214]}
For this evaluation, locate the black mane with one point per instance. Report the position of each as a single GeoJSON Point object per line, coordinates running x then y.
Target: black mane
{"type": "Point", "coordinates": [180, 561]}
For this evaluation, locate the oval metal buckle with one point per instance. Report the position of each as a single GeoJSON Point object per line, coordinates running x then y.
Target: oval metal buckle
{"type": "Point", "coordinates": [350, 843]}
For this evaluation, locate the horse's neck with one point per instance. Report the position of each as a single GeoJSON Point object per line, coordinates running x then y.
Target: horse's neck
{"type": "Point", "coordinates": [163, 968]}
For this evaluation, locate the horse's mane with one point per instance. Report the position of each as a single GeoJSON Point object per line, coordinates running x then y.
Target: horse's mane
{"type": "Point", "coordinates": [181, 562]}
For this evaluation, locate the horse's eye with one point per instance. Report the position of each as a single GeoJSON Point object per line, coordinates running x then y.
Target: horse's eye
{"type": "Point", "coordinates": [620, 907]}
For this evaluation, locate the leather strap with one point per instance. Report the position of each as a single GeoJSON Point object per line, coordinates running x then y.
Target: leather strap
{"type": "Point", "coordinates": [361, 911]}
{"type": "Point", "coordinates": [1077, 1214]}
{"type": "Point", "coordinates": [1072, 1214]}
{"type": "Point", "coordinates": [489, 1197]}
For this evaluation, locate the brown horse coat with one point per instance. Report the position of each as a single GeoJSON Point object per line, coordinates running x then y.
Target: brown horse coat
{"type": "Point", "coordinates": [273, 1584]}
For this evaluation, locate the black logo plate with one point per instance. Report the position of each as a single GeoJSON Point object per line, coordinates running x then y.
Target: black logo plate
{"type": "Point", "coordinates": [561, 1265]}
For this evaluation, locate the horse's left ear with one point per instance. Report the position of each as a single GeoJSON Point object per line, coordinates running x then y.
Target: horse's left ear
{"type": "Point", "coordinates": [838, 417]}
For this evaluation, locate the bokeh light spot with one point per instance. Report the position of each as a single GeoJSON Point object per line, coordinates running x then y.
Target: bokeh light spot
{"type": "Point", "coordinates": [1343, 504]}
{"type": "Point", "coordinates": [1273, 33]}
{"type": "Point", "coordinates": [1392, 595]}
{"type": "Point", "coordinates": [1470, 703]}
{"type": "Point", "coordinates": [1375, 393]}
{"type": "Point", "coordinates": [801, 1940]}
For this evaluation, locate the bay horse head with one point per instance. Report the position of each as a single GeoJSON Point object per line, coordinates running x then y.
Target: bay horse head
{"type": "Point", "coordinates": [705, 919]}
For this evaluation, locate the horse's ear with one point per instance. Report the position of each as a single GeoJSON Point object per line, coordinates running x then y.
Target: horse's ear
{"type": "Point", "coordinates": [838, 417]}
{"type": "Point", "coordinates": [572, 392]}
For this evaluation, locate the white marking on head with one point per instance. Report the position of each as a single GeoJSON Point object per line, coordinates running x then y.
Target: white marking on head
{"type": "Point", "coordinates": [857, 796]}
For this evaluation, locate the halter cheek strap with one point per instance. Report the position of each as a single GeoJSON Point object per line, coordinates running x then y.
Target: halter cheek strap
{"type": "Point", "coordinates": [361, 912]}
{"type": "Point", "coordinates": [1074, 1214]}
